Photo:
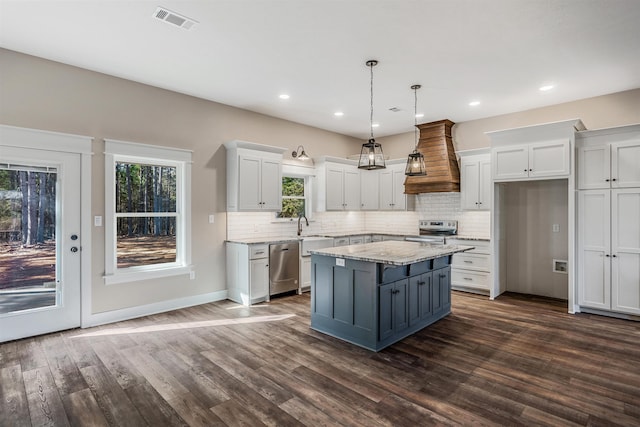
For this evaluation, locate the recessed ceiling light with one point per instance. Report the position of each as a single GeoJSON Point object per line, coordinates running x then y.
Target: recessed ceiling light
{"type": "Point", "coordinates": [375, 125]}
{"type": "Point", "coordinates": [546, 88]}
{"type": "Point", "coordinates": [419, 115]}
{"type": "Point", "coordinates": [474, 103]}
{"type": "Point", "coordinates": [338, 114]}
{"type": "Point", "coordinates": [284, 96]}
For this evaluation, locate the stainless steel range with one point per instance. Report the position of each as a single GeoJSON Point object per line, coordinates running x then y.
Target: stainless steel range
{"type": "Point", "coordinates": [435, 231]}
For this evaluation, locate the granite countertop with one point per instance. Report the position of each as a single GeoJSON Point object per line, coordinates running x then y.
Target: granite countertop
{"type": "Point", "coordinates": [469, 237]}
{"type": "Point", "coordinates": [392, 252]}
{"type": "Point", "coordinates": [359, 233]}
{"type": "Point", "coordinates": [265, 240]}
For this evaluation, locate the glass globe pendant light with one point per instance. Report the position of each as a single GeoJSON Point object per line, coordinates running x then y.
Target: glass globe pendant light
{"type": "Point", "coordinates": [415, 161]}
{"type": "Point", "coordinates": [371, 156]}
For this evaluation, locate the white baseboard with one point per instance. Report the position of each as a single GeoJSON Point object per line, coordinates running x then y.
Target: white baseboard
{"type": "Point", "coordinates": [149, 309]}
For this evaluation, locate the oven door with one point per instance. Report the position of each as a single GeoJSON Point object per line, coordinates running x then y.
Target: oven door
{"type": "Point", "coordinates": [427, 240]}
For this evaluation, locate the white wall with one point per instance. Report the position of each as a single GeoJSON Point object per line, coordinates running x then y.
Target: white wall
{"type": "Point", "coordinates": [41, 94]}
{"type": "Point", "coordinates": [531, 209]}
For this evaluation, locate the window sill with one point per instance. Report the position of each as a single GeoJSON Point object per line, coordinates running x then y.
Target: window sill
{"type": "Point", "coordinates": [136, 276]}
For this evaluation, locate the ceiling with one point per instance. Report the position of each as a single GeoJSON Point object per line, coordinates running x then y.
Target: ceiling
{"type": "Point", "coordinates": [245, 53]}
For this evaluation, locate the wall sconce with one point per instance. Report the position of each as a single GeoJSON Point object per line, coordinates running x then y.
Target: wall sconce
{"type": "Point", "coordinates": [300, 154]}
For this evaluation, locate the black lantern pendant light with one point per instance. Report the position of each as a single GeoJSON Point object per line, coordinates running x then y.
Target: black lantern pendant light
{"type": "Point", "coordinates": [415, 161]}
{"type": "Point", "coordinates": [371, 156]}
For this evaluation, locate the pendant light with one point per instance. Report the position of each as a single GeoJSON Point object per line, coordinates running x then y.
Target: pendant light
{"type": "Point", "coordinates": [415, 161]}
{"type": "Point", "coordinates": [371, 156]}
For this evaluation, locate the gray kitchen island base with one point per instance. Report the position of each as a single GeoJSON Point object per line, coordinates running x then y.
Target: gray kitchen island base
{"type": "Point", "coordinates": [374, 305]}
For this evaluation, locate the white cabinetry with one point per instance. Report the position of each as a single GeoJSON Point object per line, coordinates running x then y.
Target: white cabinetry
{"type": "Point", "coordinates": [338, 183]}
{"type": "Point", "coordinates": [543, 160]}
{"type": "Point", "coordinates": [471, 270]}
{"type": "Point", "coordinates": [475, 180]}
{"type": "Point", "coordinates": [614, 165]}
{"type": "Point", "coordinates": [608, 164]}
{"type": "Point", "coordinates": [254, 177]}
{"type": "Point", "coordinates": [609, 249]}
{"type": "Point", "coordinates": [392, 197]}
{"type": "Point", "coordinates": [247, 272]}
{"type": "Point", "coordinates": [370, 190]}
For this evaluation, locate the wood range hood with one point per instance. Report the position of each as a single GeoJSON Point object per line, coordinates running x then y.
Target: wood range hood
{"type": "Point", "coordinates": [436, 145]}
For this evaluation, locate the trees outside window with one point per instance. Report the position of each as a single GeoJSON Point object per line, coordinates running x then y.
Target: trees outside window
{"type": "Point", "coordinates": [293, 197]}
{"type": "Point", "coordinates": [147, 211]}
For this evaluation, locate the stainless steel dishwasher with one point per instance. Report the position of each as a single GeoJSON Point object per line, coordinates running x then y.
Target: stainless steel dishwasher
{"type": "Point", "coordinates": [284, 267]}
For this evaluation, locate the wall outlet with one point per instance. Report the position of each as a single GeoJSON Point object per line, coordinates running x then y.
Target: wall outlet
{"type": "Point", "coordinates": [555, 228]}
{"type": "Point", "coordinates": [97, 221]}
{"type": "Point", "coordinates": [192, 275]}
{"type": "Point", "coordinates": [211, 219]}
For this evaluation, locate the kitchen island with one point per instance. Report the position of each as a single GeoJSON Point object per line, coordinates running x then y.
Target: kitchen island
{"type": "Point", "coordinates": [376, 294]}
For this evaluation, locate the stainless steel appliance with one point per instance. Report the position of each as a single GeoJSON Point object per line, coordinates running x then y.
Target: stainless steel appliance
{"type": "Point", "coordinates": [435, 231]}
{"type": "Point", "coordinates": [284, 267]}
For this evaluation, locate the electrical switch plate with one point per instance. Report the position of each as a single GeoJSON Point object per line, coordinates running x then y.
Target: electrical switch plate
{"type": "Point", "coordinates": [192, 275]}
{"type": "Point", "coordinates": [211, 219]}
{"type": "Point", "coordinates": [97, 221]}
{"type": "Point", "coordinates": [556, 228]}
{"type": "Point", "coordinates": [340, 262]}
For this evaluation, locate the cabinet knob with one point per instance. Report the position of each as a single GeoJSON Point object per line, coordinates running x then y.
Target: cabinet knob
{"type": "Point", "coordinates": [530, 170]}
{"type": "Point", "coordinates": [615, 256]}
{"type": "Point", "coordinates": [442, 276]}
{"type": "Point", "coordinates": [607, 180]}
{"type": "Point", "coordinates": [421, 283]}
{"type": "Point", "coordinates": [613, 179]}
{"type": "Point", "coordinates": [607, 255]}
{"type": "Point", "coordinates": [525, 170]}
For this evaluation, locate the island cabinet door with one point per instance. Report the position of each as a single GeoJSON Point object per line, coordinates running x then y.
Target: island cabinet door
{"type": "Point", "coordinates": [441, 296]}
{"type": "Point", "coordinates": [394, 310]}
{"type": "Point", "coordinates": [420, 297]}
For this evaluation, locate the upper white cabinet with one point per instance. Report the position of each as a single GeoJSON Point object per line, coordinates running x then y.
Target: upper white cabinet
{"type": "Point", "coordinates": [338, 183]}
{"type": "Point", "coordinates": [609, 158]}
{"type": "Point", "coordinates": [370, 190]}
{"type": "Point", "coordinates": [542, 160]}
{"type": "Point", "coordinates": [254, 176]}
{"type": "Point", "coordinates": [392, 197]}
{"type": "Point", "coordinates": [475, 180]}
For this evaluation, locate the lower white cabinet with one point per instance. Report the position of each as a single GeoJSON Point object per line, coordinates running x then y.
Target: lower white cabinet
{"type": "Point", "coordinates": [305, 273]}
{"type": "Point", "coordinates": [471, 270]}
{"type": "Point", "coordinates": [247, 272]}
{"type": "Point", "coordinates": [609, 250]}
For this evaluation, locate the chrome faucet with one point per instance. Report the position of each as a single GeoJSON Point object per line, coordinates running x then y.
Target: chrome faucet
{"type": "Point", "coordinates": [300, 224]}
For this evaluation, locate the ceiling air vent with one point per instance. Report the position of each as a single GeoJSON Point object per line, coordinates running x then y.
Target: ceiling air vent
{"type": "Point", "coordinates": [173, 18]}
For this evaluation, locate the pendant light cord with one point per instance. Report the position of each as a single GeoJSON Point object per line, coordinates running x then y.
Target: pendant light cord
{"type": "Point", "coordinates": [415, 116]}
{"type": "Point", "coordinates": [371, 86]}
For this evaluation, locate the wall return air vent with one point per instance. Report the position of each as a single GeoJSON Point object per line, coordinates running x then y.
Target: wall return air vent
{"type": "Point", "coordinates": [173, 18]}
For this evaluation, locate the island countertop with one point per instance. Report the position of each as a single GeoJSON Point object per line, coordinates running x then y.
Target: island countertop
{"type": "Point", "coordinates": [392, 252]}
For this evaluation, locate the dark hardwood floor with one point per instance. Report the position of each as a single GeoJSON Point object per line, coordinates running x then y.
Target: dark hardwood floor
{"type": "Point", "coordinates": [513, 361]}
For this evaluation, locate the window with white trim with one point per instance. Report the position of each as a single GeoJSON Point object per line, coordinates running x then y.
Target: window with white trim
{"type": "Point", "coordinates": [147, 211]}
{"type": "Point", "coordinates": [294, 197]}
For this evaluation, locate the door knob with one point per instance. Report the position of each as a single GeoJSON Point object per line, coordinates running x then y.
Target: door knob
{"type": "Point", "coordinates": [74, 249]}
{"type": "Point", "coordinates": [74, 237]}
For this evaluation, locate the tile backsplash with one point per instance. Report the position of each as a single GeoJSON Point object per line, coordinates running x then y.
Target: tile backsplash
{"type": "Point", "coordinates": [246, 225]}
{"type": "Point", "coordinates": [447, 206]}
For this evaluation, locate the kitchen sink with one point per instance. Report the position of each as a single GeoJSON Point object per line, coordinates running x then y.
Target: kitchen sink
{"type": "Point", "coordinates": [312, 243]}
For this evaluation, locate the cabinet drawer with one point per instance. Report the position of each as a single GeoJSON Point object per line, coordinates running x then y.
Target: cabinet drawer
{"type": "Point", "coordinates": [258, 251]}
{"type": "Point", "coordinates": [356, 240]}
{"type": "Point", "coordinates": [469, 279]}
{"type": "Point", "coordinates": [341, 241]}
{"type": "Point", "coordinates": [471, 260]}
{"type": "Point", "coordinates": [480, 246]}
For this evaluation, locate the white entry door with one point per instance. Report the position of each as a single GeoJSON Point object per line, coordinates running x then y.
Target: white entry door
{"type": "Point", "coordinates": [40, 241]}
